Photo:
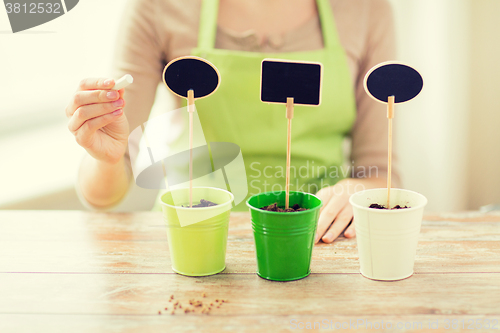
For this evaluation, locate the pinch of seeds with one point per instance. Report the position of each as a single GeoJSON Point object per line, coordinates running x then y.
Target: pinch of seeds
{"type": "Point", "coordinates": [197, 303]}
{"type": "Point", "coordinates": [187, 311]}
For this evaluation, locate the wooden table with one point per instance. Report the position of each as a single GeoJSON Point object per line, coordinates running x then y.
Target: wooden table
{"type": "Point", "coordinates": [73, 271]}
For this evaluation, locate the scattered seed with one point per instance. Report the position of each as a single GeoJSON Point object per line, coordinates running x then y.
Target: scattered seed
{"type": "Point", "coordinates": [197, 303]}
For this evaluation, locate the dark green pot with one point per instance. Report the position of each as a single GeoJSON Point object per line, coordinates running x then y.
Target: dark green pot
{"type": "Point", "coordinates": [284, 241]}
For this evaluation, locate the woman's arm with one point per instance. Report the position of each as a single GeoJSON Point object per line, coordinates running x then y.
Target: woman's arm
{"type": "Point", "coordinates": [103, 182]}
{"type": "Point", "coordinates": [369, 134]}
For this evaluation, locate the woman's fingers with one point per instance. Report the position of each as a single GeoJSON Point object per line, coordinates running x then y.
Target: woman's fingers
{"type": "Point", "coordinates": [84, 135]}
{"type": "Point", "coordinates": [90, 91]}
{"type": "Point", "coordinates": [86, 112]}
{"type": "Point", "coordinates": [96, 83]}
{"type": "Point", "coordinates": [350, 232]}
{"type": "Point", "coordinates": [88, 97]}
{"type": "Point", "coordinates": [341, 221]}
{"type": "Point", "coordinates": [329, 214]}
{"type": "Point", "coordinates": [325, 195]}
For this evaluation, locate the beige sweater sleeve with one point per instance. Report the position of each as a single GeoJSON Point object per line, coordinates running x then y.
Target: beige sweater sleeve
{"type": "Point", "coordinates": [139, 52]}
{"type": "Point", "coordinates": [369, 134]}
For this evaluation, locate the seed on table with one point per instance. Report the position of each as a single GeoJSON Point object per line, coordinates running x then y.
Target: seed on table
{"type": "Point", "coordinates": [203, 295]}
{"type": "Point", "coordinates": [159, 312]}
{"type": "Point", "coordinates": [197, 303]}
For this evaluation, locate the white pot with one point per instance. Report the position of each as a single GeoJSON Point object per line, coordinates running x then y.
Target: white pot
{"type": "Point", "coordinates": [387, 239]}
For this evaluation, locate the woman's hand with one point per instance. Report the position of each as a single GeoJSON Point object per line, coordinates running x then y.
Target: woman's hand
{"type": "Point", "coordinates": [97, 121]}
{"type": "Point", "coordinates": [337, 209]}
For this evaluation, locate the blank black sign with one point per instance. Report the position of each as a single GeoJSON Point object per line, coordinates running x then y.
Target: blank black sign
{"type": "Point", "coordinates": [189, 73]}
{"type": "Point", "coordinates": [281, 79]}
{"type": "Point", "coordinates": [393, 79]}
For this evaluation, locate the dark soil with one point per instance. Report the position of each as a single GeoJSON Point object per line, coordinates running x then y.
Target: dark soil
{"type": "Point", "coordinates": [377, 206]}
{"type": "Point", "coordinates": [203, 203]}
{"type": "Point", "coordinates": [274, 208]}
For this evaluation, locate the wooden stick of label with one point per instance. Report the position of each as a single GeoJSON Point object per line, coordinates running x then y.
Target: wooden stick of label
{"type": "Point", "coordinates": [390, 115]}
{"type": "Point", "coordinates": [183, 76]}
{"type": "Point", "coordinates": [289, 116]}
{"type": "Point", "coordinates": [190, 111]}
{"type": "Point", "coordinates": [284, 81]}
{"type": "Point", "coordinates": [384, 83]}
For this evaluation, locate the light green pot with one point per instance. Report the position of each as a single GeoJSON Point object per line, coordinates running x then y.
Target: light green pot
{"type": "Point", "coordinates": [199, 247]}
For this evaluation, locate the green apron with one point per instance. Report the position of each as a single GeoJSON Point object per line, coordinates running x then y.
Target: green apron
{"type": "Point", "coordinates": [234, 113]}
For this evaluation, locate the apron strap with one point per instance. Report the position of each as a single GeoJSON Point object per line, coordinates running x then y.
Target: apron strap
{"type": "Point", "coordinates": [208, 24]}
{"type": "Point", "coordinates": [328, 27]}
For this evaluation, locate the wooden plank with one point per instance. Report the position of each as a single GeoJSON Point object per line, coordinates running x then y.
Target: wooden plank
{"type": "Point", "coordinates": [21, 323]}
{"type": "Point", "coordinates": [137, 243]}
{"type": "Point", "coordinates": [247, 294]}
{"type": "Point", "coordinates": [153, 257]}
{"type": "Point", "coordinates": [468, 216]}
{"type": "Point", "coordinates": [83, 226]}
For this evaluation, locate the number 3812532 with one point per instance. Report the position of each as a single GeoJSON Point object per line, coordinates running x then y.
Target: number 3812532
{"type": "Point", "coordinates": [33, 8]}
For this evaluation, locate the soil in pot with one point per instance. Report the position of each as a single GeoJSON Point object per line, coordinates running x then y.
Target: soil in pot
{"type": "Point", "coordinates": [203, 203]}
{"type": "Point", "coordinates": [378, 206]}
{"type": "Point", "coordinates": [274, 208]}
